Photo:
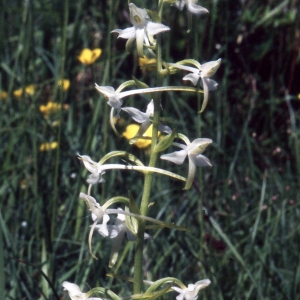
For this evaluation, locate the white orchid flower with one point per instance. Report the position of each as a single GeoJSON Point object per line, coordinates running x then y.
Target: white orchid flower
{"type": "Point", "coordinates": [204, 72]}
{"type": "Point", "coordinates": [191, 6]}
{"type": "Point", "coordinates": [196, 159]}
{"type": "Point", "coordinates": [144, 119]}
{"type": "Point", "coordinates": [117, 233]}
{"type": "Point", "coordinates": [98, 170]}
{"type": "Point", "coordinates": [143, 29]}
{"type": "Point", "coordinates": [75, 292]}
{"type": "Point", "coordinates": [115, 98]}
{"type": "Point", "coordinates": [191, 292]}
{"type": "Point", "coordinates": [92, 167]}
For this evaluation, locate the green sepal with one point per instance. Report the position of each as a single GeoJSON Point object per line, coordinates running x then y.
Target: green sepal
{"type": "Point", "coordinates": [190, 62]}
{"type": "Point", "coordinates": [153, 295]}
{"type": "Point", "coordinates": [165, 142]}
{"type": "Point", "coordinates": [119, 199]}
{"type": "Point", "coordinates": [184, 138]}
{"type": "Point", "coordinates": [157, 284]}
{"type": "Point", "coordinates": [124, 154]}
{"type": "Point", "coordinates": [125, 85]}
{"type": "Point", "coordinates": [140, 84]}
{"type": "Point", "coordinates": [103, 292]}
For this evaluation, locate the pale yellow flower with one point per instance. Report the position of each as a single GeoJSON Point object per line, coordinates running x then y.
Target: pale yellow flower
{"type": "Point", "coordinates": [29, 90]}
{"type": "Point", "coordinates": [88, 56]}
{"type": "Point", "coordinates": [64, 83]}
{"type": "Point", "coordinates": [48, 146]}
{"type": "Point", "coordinates": [131, 131]}
{"type": "Point", "coordinates": [299, 96]}
{"type": "Point", "coordinates": [3, 95]}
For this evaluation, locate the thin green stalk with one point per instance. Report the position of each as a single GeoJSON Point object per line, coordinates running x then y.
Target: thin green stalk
{"type": "Point", "coordinates": [139, 244]}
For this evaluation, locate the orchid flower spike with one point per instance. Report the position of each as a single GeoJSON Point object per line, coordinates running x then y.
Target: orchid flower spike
{"type": "Point", "coordinates": [191, 6]}
{"type": "Point", "coordinates": [204, 72]}
{"type": "Point", "coordinates": [191, 292]}
{"type": "Point", "coordinates": [144, 119]}
{"type": "Point", "coordinates": [75, 292]}
{"type": "Point", "coordinates": [193, 151]}
{"type": "Point", "coordinates": [117, 233]}
{"type": "Point", "coordinates": [143, 29]}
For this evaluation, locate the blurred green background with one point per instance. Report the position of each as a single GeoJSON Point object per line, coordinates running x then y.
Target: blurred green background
{"type": "Point", "coordinates": [243, 213]}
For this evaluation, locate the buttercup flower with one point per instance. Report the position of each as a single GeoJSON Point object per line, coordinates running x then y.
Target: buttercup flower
{"type": "Point", "coordinates": [3, 95]}
{"type": "Point", "coordinates": [48, 146]}
{"type": "Point", "coordinates": [75, 292]}
{"type": "Point", "coordinates": [143, 29]}
{"type": "Point", "coordinates": [49, 108]}
{"type": "Point", "coordinates": [204, 72]}
{"type": "Point", "coordinates": [132, 130]}
{"type": "Point", "coordinates": [29, 90]}
{"type": "Point", "coordinates": [191, 292]}
{"type": "Point", "coordinates": [88, 56]}
{"type": "Point", "coordinates": [144, 118]}
{"type": "Point", "coordinates": [64, 83]}
{"type": "Point", "coordinates": [191, 6]}
{"type": "Point", "coordinates": [193, 151]}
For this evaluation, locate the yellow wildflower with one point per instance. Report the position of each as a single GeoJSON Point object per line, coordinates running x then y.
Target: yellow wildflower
{"type": "Point", "coordinates": [3, 95]}
{"type": "Point", "coordinates": [131, 131]}
{"type": "Point", "coordinates": [145, 61]}
{"type": "Point", "coordinates": [88, 56]}
{"type": "Point", "coordinates": [64, 83]}
{"type": "Point", "coordinates": [299, 96]}
{"type": "Point", "coordinates": [29, 90]}
{"type": "Point", "coordinates": [48, 146]}
{"type": "Point", "coordinates": [50, 108]}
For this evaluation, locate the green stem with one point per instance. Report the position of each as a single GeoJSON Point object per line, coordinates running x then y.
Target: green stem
{"type": "Point", "coordinates": [139, 244]}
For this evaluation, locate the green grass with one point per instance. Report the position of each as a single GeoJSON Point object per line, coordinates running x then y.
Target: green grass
{"type": "Point", "coordinates": [243, 214]}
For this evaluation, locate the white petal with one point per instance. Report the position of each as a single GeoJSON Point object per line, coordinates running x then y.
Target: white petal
{"type": "Point", "coordinates": [211, 84]}
{"type": "Point", "coordinates": [139, 41]}
{"type": "Point", "coordinates": [196, 9]}
{"type": "Point", "coordinates": [191, 173]}
{"type": "Point", "coordinates": [202, 284]}
{"type": "Point", "coordinates": [176, 157]}
{"type": "Point", "coordinates": [197, 146]}
{"type": "Point", "coordinates": [202, 161]}
{"type": "Point", "coordinates": [193, 77]}
{"type": "Point", "coordinates": [73, 290]}
{"type": "Point", "coordinates": [136, 114]}
{"type": "Point", "coordinates": [89, 164]}
{"type": "Point", "coordinates": [150, 108]}
{"type": "Point", "coordinates": [155, 28]}
{"type": "Point", "coordinates": [138, 16]}
{"type": "Point", "coordinates": [209, 69]}
{"type": "Point", "coordinates": [107, 91]}
{"type": "Point", "coordinates": [127, 33]}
